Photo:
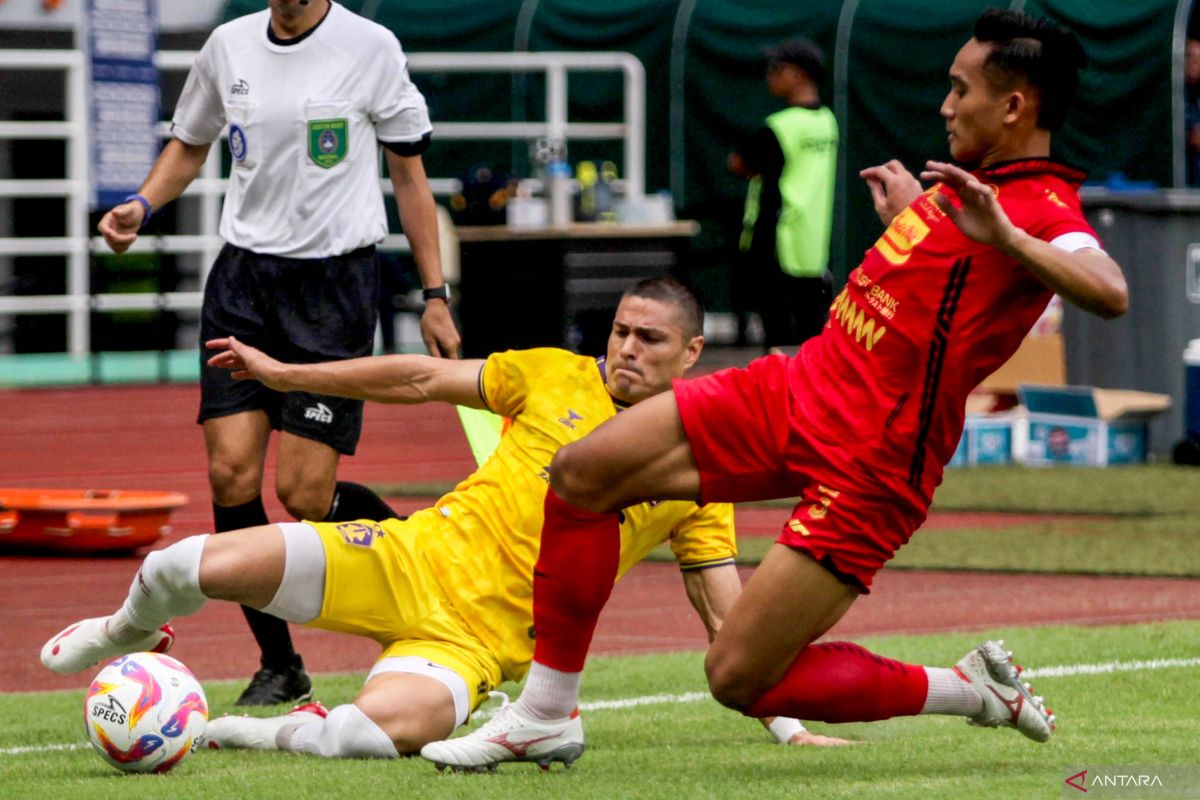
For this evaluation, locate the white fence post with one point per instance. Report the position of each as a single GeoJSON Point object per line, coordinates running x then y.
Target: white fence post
{"type": "Point", "coordinates": [79, 241]}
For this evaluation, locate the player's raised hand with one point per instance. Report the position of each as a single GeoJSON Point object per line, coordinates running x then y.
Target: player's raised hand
{"type": "Point", "coordinates": [892, 187]}
{"type": "Point", "coordinates": [246, 362]}
{"type": "Point", "coordinates": [120, 225]}
{"type": "Point", "coordinates": [980, 216]}
{"type": "Point", "coordinates": [438, 331]}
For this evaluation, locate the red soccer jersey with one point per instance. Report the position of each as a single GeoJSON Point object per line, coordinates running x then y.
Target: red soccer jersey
{"type": "Point", "coordinates": [927, 315]}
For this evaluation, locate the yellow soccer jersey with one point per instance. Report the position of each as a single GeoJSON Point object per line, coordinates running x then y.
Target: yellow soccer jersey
{"type": "Point", "coordinates": [484, 551]}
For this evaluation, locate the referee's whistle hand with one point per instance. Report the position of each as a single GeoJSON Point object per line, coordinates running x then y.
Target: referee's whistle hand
{"type": "Point", "coordinates": [242, 360]}
{"type": "Point", "coordinates": [218, 344]}
{"type": "Point", "coordinates": [120, 225]}
{"type": "Point", "coordinates": [438, 331]}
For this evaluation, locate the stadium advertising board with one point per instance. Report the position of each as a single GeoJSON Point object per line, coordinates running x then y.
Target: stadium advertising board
{"type": "Point", "coordinates": [123, 96]}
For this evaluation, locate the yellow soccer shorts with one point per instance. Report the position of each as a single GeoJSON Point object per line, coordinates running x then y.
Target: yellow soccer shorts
{"type": "Point", "coordinates": [378, 584]}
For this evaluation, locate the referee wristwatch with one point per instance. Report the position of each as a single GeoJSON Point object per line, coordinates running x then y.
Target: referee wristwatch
{"type": "Point", "coordinates": [437, 293]}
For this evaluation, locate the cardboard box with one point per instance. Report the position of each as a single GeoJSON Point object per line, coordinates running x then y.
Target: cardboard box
{"type": "Point", "coordinates": [1039, 360]}
{"type": "Point", "coordinates": [986, 439]}
{"type": "Point", "coordinates": [1082, 425]}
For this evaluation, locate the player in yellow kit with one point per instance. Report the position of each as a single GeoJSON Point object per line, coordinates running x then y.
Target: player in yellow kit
{"type": "Point", "coordinates": [448, 592]}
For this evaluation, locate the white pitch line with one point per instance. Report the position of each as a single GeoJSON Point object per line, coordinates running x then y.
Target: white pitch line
{"type": "Point", "coordinates": [1065, 671]}
{"type": "Point", "coordinates": [650, 700]}
{"type": "Point", "coordinates": [41, 748]}
{"type": "Point", "coordinates": [1109, 667]}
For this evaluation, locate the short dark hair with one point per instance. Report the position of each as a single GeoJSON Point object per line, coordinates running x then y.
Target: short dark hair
{"type": "Point", "coordinates": [669, 291]}
{"type": "Point", "coordinates": [1038, 51]}
{"type": "Point", "coordinates": [800, 53]}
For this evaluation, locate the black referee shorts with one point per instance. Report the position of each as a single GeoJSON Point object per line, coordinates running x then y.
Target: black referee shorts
{"type": "Point", "coordinates": [298, 311]}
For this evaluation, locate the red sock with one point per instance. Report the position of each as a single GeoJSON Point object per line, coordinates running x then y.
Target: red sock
{"type": "Point", "coordinates": [574, 576]}
{"type": "Point", "coordinates": [842, 682]}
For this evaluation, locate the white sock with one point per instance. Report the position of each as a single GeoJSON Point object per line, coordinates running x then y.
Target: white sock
{"type": "Point", "coordinates": [950, 694]}
{"type": "Point", "coordinates": [549, 693]}
{"type": "Point", "coordinates": [166, 586]}
{"type": "Point", "coordinates": [346, 733]}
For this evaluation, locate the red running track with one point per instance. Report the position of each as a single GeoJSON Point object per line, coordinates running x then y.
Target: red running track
{"type": "Point", "coordinates": [144, 438]}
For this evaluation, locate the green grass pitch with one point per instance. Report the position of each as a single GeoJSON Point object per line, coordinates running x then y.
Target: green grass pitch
{"type": "Point", "coordinates": [692, 748]}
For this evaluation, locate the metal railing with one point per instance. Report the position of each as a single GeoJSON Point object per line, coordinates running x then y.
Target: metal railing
{"type": "Point", "coordinates": [78, 302]}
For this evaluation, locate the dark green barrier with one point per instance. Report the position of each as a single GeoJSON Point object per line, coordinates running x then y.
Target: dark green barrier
{"type": "Point", "coordinates": [888, 64]}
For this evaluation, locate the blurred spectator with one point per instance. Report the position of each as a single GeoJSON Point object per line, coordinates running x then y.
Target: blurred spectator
{"type": "Point", "coordinates": [791, 162]}
{"type": "Point", "coordinates": [1191, 109]}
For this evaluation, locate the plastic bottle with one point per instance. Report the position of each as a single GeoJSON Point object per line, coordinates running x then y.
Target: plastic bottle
{"type": "Point", "coordinates": [606, 202]}
{"type": "Point", "coordinates": [1191, 366]}
{"type": "Point", "coordinates": [558, 176]}
{"type": "Point", "coordinates": [587, 176]}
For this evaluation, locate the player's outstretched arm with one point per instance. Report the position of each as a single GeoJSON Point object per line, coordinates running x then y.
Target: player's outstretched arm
{"type": "Point", "coordinates": [712, 593]}
{"type": "Point", "coordinates": [892, 187]}
{"type": "Point", "coordinates": [178, 165]}
{"type": "Point", "coordinates": [419, 219]}
{"type": "Point", "coordinates": [380, 379]}
{"type": "Point", "coordinates": [1088, 277]}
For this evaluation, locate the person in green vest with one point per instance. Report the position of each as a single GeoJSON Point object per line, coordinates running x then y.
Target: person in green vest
{"type": "Point", "coordinates": [791, 162]}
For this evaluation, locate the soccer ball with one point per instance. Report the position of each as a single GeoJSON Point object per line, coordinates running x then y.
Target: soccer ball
{"type": "Point", "coordinates": [144, 712]}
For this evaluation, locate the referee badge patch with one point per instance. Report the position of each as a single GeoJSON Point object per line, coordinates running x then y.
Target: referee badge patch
{"type": "Point", "coordinates": [327, 141]}
{"type": "Point", "coordinates": [237, 142]}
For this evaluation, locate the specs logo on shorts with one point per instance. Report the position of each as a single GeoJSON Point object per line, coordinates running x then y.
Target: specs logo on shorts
{"type": "Point", "coordinates": [360, 535]}
{"type": "Point", "coordinates": [241, 87]}
{"type": "Point", "coordinates": [570, 419]}
{"type": "Point", "coordinates": [319, 413]}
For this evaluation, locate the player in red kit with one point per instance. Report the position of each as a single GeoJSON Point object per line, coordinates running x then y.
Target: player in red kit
{"type": "Point", "coordinates": [858, 424]}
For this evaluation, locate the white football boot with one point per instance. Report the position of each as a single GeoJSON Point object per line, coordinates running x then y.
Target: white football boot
{"type": "Point", "coordinates": [511, 736]}
{"type": "Point", "coordinates": [258, 733]}
{"type": "Point", "coordinates": [84, 643]}
{"type": "Point", "coordinates": [1007, 702]}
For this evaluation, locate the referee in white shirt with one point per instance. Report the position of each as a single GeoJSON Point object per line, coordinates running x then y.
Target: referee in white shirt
{"type": "Point", "coordinates": [309, 91]}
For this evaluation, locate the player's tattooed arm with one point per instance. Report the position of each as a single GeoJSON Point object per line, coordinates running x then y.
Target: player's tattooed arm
{"type": "Point", "coordinates": [381, 379]}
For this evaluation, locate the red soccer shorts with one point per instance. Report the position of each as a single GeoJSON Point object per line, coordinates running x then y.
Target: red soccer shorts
{"type": "Point", "coordinates": [750, 444]}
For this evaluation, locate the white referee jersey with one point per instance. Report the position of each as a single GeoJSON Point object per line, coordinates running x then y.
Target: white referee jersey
{"type": "Point", "coordinates": [304, 120]}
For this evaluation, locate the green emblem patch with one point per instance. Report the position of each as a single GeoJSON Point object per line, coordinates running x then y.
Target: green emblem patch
{"type": "Point", "coordinates": [328, 140]}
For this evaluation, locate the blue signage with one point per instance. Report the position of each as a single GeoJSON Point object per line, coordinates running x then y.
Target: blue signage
{"type": "Point", "coordinates": [123, 96]}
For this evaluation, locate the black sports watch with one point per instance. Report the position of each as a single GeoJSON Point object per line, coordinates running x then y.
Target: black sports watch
{"type": "Point", "coordinates": [437, 293]}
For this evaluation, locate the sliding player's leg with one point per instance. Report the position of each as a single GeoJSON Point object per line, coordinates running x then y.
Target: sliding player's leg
{"type": "Point", "coordinates": [763, 661]}
{"type": "Point", "coordinates": [709, 439]}
{"type": "Point", "coordinates": [245, 566]}
{"type": "Point", "coordinates": [406, 702]}
{"type": "Point", "coordinates": [433, 670]}
{"type": "Point", "coordinates": [640, 454]}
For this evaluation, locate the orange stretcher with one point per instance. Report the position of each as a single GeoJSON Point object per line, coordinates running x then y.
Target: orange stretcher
{"type": "Point", "coordinates": [74, 521]}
